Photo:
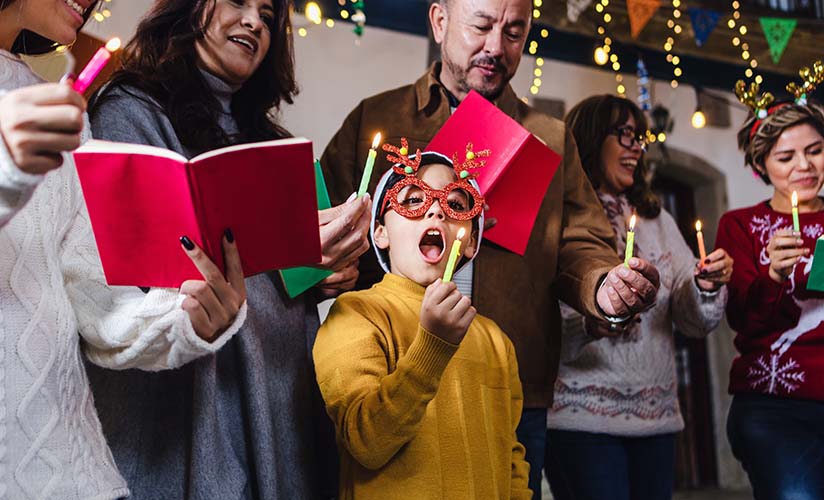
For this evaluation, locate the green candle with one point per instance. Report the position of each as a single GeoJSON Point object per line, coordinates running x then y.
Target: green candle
{"type": "Point", "coordinates": [454, 253]}
{"type": "Point", "coordinates": [370, 163]}
{"type": "Point", "coordinates": [630, 240]}
{"type": "Point", "coordinates": [796, 224]}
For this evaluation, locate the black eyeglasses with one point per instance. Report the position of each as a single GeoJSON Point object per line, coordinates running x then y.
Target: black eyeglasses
{"type": "Point", "coordinates": [627, 137]}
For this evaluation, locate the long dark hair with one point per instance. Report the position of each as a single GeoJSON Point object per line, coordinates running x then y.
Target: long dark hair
{"type": "Point", "coordinates": [161, 60]}
{"type": "Point", "coordinates": [33, 44]}
{"type": "Point", "coordinates": [591, 121]}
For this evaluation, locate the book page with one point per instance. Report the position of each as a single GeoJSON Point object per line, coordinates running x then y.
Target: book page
{"type": "Point", "coordinates": [251, 145]}
{"type": "Point", "coordinates": [98, 146]}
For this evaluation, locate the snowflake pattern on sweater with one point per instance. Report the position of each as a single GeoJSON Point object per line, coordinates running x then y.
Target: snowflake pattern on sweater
{"type": "Point", "coordinates": [779, 332]}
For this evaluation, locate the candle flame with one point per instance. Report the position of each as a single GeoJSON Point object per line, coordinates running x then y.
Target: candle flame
{"type": "Point", "coordinates": [376, 141]}
{"type": "Point", "coordinates": [698, 226]}
{"type": "Point", "coordinates": [795, 199]}
{"type": "Point", "coordinates": [632, 223]}
{"type": "Point", "coordinates": [113, 44]}
{"type": "Point", "coordinates": [461, 233]}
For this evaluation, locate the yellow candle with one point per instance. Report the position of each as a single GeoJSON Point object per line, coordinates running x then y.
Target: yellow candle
{"type": "Point", "coordinates": [630, 240]}
{"type": "Point", "coordinates": [796, 224]}
{"type": "Point", "coordinates": [702, 252]}
{"type": "Point", "coordinates": [370, 163]}
{"type": "Point", "coordinates": [454, 253]}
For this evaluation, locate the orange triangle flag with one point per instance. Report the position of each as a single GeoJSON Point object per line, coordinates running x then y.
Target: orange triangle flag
{"type": "Point", "coordinates": [640, 12]}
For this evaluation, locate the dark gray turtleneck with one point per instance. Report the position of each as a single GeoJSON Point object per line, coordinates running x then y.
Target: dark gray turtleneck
{"type": "Point", "coordinates": [245, 423]}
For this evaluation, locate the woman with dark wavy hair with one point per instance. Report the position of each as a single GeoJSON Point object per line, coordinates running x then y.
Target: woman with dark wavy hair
{"type": "Point", "coordinates": [611, 430]}
{"type": "Point", "coordinates": [52, 287]}
{"type": "Point", "coordinates": [247, 422]}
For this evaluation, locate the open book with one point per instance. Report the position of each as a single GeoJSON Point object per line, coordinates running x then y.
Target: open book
{"type": "Point", "coordinates": [142, 199]}
{"type": "Point", "coordinates": [517, 173]}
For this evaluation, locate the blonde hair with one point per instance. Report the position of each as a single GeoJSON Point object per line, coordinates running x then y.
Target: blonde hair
{"type": "Point", "coordinates": [756, 146]}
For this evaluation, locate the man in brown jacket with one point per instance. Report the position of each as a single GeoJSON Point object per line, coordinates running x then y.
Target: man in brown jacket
{"type": "Point", "coordinates": [570, 253]}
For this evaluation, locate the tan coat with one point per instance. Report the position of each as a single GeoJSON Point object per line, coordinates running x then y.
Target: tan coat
{"type": "Point", "coordinates": [570, 249]}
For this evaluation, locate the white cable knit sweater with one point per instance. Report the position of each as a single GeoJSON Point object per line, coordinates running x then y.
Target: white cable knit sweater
{"type": "Point", "coordinates": [627, 386]}
{"type": "Point", "coordinates": [52, 288]}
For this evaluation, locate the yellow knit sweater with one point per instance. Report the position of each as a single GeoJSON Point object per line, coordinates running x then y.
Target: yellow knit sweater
{"type": "Point", "coordinates": [417, 417]}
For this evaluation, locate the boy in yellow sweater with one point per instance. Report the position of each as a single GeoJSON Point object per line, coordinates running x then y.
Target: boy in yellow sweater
{"type": "Point", "coordinates": [424, 394]}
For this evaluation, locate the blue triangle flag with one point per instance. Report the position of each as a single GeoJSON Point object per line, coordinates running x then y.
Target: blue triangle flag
{"type": "Point", "coordinates": [704, 22]}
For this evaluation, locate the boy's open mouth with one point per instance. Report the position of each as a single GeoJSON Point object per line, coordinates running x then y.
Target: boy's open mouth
{"type": "Point", "coordinates": [432, 245]}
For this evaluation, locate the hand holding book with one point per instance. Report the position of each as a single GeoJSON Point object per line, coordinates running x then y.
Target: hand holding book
{"type": "Point", "coordinates": [344, 238]}
{"type": "Point", "coordinates": [213, 303]}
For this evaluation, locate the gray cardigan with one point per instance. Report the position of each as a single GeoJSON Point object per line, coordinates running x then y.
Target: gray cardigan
{"type": "Point", "coordinates": [245, 423]}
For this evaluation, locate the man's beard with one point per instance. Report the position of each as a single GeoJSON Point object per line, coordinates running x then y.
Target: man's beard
{"type": "Point", "coordinates": [459, 75]}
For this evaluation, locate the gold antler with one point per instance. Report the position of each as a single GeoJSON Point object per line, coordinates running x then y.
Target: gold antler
{"type": "Point", "coordinates": [810, 79]}
{"type": "Point", "coordinates": [751, 98]}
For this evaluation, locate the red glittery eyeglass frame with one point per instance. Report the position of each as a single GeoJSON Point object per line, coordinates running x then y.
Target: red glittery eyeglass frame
{"type": "Point", "coordinates": [391, 199]}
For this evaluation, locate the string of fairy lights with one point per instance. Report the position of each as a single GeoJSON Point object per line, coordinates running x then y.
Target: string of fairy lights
{"type": "Point", "coordinates": [103, 11]}
{"type": "Point", "coordinates": [537, 69]}
{"type": "Point", "coordinates": [352, 11]}
{"type": "Point", "coordinates": [604, 53]}
{"type": "Point", "coordinates": [673, 23]}
{"type": "Point", "coordinates": [739, 29]}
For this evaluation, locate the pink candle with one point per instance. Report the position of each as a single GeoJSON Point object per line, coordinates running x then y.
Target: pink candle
{"type": "Point", "coordinates": [96, 65]}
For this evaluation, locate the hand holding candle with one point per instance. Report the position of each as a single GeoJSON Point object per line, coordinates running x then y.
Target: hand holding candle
{"type": "Point", "coordinates": [796, 224]}
{"type": "Point", "coordinates": [95, 65]}
{"type": "Point", "coordinates": [370, 163]}
{"type": "Point", "coordinates": [699, 235]}
{"type": "Point", "coordinates": [454, 254]}
{"type": "Point", "coordinates": [630, 240]}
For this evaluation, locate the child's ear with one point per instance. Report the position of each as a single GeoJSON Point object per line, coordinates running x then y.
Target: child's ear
{"type": "Point", "coordinates": [381, 236]}
{"type": "Point", "coordinates": [471, 245]}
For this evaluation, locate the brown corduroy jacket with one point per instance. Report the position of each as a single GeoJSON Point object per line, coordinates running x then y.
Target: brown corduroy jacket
{"type": "Point", "coordinates": [570, 248]}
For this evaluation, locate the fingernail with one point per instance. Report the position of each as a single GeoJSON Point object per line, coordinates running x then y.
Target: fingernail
{"type": "Point", "coordinates": [706, 261]}
{"type": "Point", "coordinates": [187, 243]}
{"type": "Point", "coordinates": [230, 236]}
{"type": "Point", "coordinates": [623, 272]}
{"type": "Point", "coordinates": [351, 197]}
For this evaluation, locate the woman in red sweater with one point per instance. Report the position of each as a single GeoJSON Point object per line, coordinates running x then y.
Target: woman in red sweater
{"type": "Point", "coordinates": [776, 422]}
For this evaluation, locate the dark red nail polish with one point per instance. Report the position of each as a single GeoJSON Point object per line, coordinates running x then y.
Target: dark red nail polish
{"type": "Point", "coordinates": [187, 243]}
{"type": "Point", "coordinates": [230, 236]}
{"type": "Point", "coordinates": [706, 261]}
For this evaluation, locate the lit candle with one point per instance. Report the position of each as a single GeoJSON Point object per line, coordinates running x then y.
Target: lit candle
{"type": "Point", "coordinates": [454, 253]}
{"type": "Point", "coordinates": [702, 251]}
{"type": "Point", "coordinates": [796, 224]}
{"type": "Point", "coordinates": [96, 65]}
{"type": "Point", "coordinates": [630, 240]}
{"type": "Point", "coordinates": [370, 163]}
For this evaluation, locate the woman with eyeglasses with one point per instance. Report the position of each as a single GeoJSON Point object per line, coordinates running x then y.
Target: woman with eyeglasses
{"type": "Point", "coordinates": [611, 431]}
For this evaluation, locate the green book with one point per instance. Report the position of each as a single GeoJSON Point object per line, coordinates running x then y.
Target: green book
{"type": "Point", "coordinates": [816, 280]}
{"type": "Point", "coordinates": [299, 279]}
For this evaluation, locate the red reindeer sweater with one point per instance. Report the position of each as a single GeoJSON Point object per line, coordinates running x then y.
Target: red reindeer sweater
{"type": "Point", "coordinates": [779, 326]}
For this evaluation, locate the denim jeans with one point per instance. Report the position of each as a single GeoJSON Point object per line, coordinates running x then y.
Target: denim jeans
{"type": "Point", "coordinates": [780, 443]}
{"type": "Point", "coordinates": [588, 466]}
{"type": "Point", "coordinates": [532, 434]}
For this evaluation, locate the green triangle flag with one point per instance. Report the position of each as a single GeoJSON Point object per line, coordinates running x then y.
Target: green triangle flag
{"type": "Point", "coordinates": [778, 32]}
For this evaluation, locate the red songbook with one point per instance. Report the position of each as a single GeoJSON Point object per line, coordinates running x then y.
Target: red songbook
{"type": "Point", "coordinates": [142, 199]}
{"type": "Point", "coordinates": [517, 173]}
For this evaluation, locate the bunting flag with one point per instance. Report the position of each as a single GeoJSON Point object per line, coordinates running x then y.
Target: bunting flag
{"type": "Point", "coordinates": [575, 7]}
{"type": "Point", "coordinates": [778, 32]}
{"type": "Point", "coordinates": [704, 22]}
{"type": "Point", "coordinates": [640, 12]}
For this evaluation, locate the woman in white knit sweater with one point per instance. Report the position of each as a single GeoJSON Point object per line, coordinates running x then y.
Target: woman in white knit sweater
{"type": "Point", "coordinates": [611, 430]}
{"type": "Point", "coordinates": [52, 285]}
